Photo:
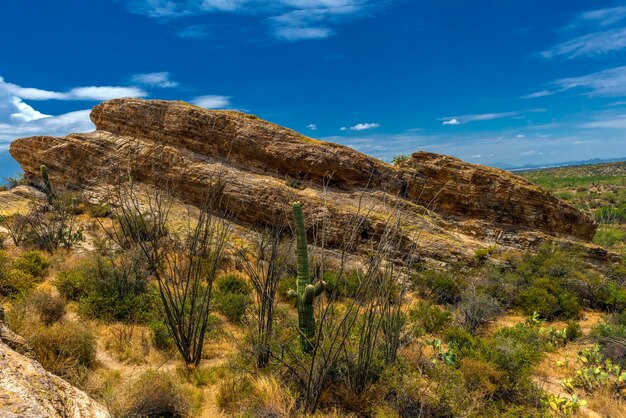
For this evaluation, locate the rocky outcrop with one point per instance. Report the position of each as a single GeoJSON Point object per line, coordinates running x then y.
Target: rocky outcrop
{"type": "Point", "coordinates": [28, 391]}
{"type": "Point", "coordinates": [448, 208]}
{"type": "Point", "coordinates": [457, 188]}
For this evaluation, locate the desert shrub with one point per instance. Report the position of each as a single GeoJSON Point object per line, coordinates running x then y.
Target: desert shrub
{"type": "Point", "coordinates": [609, 236]}
{"type": "Point", "coordinates": [65, 348]}
{"type": "Point", "coordinates": [476, 309]}
{"type": "Point", "coordinates": [157, 394]}
{"type": "Point", "coordinates": [609, 295]}
{"type": "Point", "coordinates": [118, 290]}
{"type": "Point", "coordinates": [572, 331]}
{"type": "Point", "coordinates": [481, 378]}
{"type": "Point", "coordinates": [72, 284]}
{"type": "Point", "coordinates": [33, 263]}
{"type": "Point", "coordinates": [232, 305]}
{"type": "Point", "coordinates": [13, 281]}
{"type": "Point", "coordinates": [48, 306]}
{"type": "Point", "coordinates": [460, 339]}
{"type": "Point", "coordinates": [611, 338]}
{"type": "Point", "coordinates": [442, 287]}
{"type": "Point", "coordinates": [514, 351]}
{"type": "Point", "coordinates": [51, 225]}
{"type": "Point", "coordinates": [428, 318]}
{"type": "Point", "coordinates": [341, 285]}
{"type": "Point", "coordinates": [141, 227]}
{"type": "Point", "coordinates": [232, 297]}
{"type": "Point", "coordinates": [537, 299]}
{"type": "Point", "coordinates": [232, 283]}
{"type": "Point", "coordinates": [161, 337]}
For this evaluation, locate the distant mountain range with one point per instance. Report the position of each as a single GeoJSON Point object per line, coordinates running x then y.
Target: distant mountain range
{"type": "Point", "coordinates": [530, 167]}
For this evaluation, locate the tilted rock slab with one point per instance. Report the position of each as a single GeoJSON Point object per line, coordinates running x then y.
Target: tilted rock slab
{"type": "Point", "coordinates": [28, 391]}
{"type": "Point", "coordinates": [448, 207]}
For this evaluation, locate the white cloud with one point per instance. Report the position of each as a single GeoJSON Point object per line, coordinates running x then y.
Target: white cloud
{"type": "Point", "coordinates": [25, 113]}
{"type": "Point", "coordinates": [78, 93]}
{"type": "Point", "coordinates": [480, 117]}
{"type": "Point", "coordinates": [593, 33]}
{"type": "Point", "coordinates": [452, 121]}
{"type": "Point", "coordinates": [520, 136]}
{"type": "Point", "coordinates": [343, 128]}
{"type": "Point", "coordinates": [364, 126]}
{"type": "Point", "coordinates": [289, 20]}
{"type": "Point", "coordinates": [312, 127]}
{"type": "Point", "coordinates": [298, 34]}
{"type": "Point", "coordinates": [160, 79]}
{"type": "Point", "coordinates": [537, 94]}
{"type": "Point", "coordinates": [612, 122]}
{"type": "Point", "coordinates": [212, 102]}
{"type": "Point", "coordinates": [590, 45]}
{"type": "Point", "coordinates": [609, 83]}
{"type": "Point", "coordinates": [18, 118]}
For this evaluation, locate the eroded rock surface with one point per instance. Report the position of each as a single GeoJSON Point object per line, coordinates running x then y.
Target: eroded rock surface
{"type": "Point", "coordinates": [28, 391]}
{"type": "Point", "coordinates": [448, 207]}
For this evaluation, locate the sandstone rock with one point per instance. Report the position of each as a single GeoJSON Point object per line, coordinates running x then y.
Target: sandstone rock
{"type": "Point", "coordinates": [448, 208]}
{"type": "Point", "coordinates": [28, 391]}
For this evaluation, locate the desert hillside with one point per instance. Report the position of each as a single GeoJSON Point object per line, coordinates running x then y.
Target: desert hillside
{"type": "Point", "coordinates": [185, 262]}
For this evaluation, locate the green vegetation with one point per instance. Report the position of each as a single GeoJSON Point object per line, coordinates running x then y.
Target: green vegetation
{"type": "Point", "coordinates": [368, 337]}
{"type": "Point", "coordinates": [598, 190]}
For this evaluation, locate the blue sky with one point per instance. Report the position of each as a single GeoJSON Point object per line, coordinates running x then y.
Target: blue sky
{"type": "Point", "coordinates": [502, 83]}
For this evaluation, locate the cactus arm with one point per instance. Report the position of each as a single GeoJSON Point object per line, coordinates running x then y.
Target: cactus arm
{"type": "Point", "coordinates": [309, 294]}
{"type": "Point", "coordinates": [319, 287]}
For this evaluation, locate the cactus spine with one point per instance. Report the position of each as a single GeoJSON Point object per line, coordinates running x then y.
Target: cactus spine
{"type": "Point", "coordinates": [47, 187]}
{"type": "Point", "coordinates": [306, 291]}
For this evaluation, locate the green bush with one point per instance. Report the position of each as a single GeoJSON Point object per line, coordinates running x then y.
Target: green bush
{"type": "Point", "coordinates": [232, 305]}
{"type": "Point", "coordinates": [161, 337]}
{"type": "Point", "coordinates": [232, 283]}
{"type": "Point", "coordinates": [341, 285]}
{"type": "Point", "coordinates": [33, 263]}
{"type": "Point", "coordinates": [537, 299]}
{"type": "Point", "coordinates": [72, 284]}
{"type": "Point", "coordinates": [443, 287]}
{"type": "Point", "coordinates": [429, 318]}
{"type": "Point", "coordinates": [14, 282]}
{"type": "Point", "coordinates": [118, 290]}
{"type": "Point", "coordinates": [609, 236]}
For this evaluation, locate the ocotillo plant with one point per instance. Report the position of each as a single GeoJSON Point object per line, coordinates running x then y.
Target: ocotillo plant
{"type": "Point", "coordinates": [47, 187]}
{"type": "Point", "coordinates": [306, 292]}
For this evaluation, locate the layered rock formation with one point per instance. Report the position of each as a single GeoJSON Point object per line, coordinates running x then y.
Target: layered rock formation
{"type": "Point", "coordinates": [447, 208]}
{"type": "Point", "coordinates": [28, 391]}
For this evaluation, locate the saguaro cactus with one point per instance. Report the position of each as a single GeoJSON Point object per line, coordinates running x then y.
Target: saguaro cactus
{"type": "Point", "coordinates": [47, 187]}
{"type": "Point", "coordinates": [306, 292]}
